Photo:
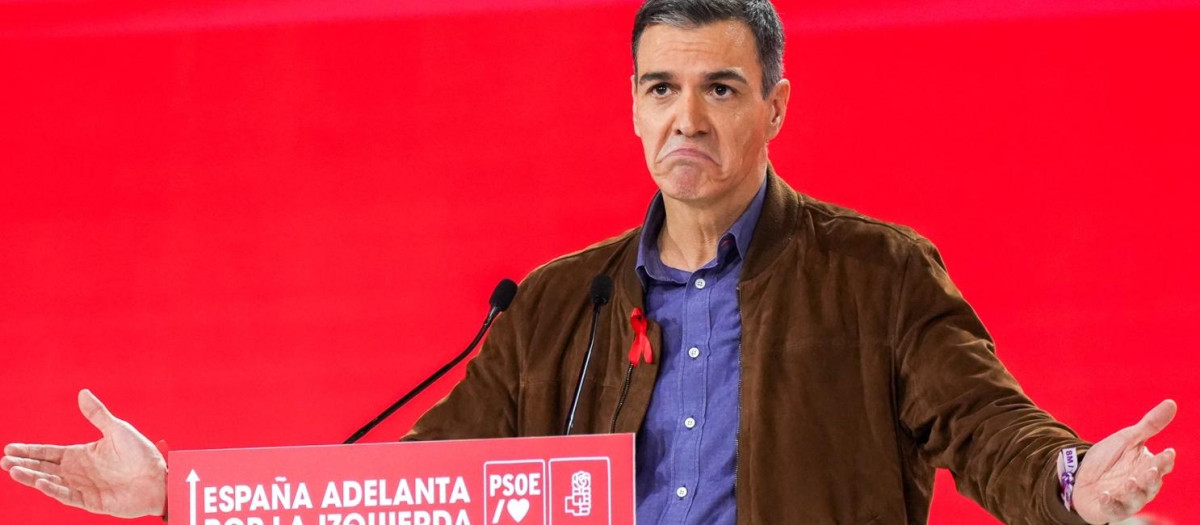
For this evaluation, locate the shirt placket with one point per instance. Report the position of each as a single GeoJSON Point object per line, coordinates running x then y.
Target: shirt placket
{"type": "Point", "coordinates": [692, 397]}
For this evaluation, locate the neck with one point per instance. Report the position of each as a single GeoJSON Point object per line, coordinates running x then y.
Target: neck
{"type": "Point", "coordinates": [689, 236]}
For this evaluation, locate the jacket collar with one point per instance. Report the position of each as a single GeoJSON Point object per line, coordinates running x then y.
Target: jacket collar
{"type": "Point", "coordinates": [777, 226]}
{"type": "Point", "coordinates": [780, 212]}
{"type": "Point", "coordinates": [734, 243]}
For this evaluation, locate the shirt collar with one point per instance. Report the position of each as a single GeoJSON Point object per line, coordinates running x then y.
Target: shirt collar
{"type": "Point", "coordinates": [735, 241]}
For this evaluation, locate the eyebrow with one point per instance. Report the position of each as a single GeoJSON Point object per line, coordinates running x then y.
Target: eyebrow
{"type": "Point", "coordinates": [715, 76]}
{"type": "Point", "coordinates": [655, 76]}
{"type": "Point", "coordinates": [726, 74]}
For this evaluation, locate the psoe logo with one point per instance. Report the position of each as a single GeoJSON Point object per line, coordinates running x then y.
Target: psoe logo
{"type": "Point", "coordinates": [579, 502]}
{"type": "Point", "coordinates": [515, 492]}
{"type": "Point", "coordinates": [580, 491]}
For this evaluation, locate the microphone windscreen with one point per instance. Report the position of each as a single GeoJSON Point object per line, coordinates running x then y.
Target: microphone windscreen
{"type": "Point", "coordinates": [602, 287]}
{"type": "Point", "coordinates": [503, 295]}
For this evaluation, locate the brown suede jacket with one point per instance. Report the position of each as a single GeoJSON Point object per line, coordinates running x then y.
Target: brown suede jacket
{"type": "Point", "coordinates": [863, 370]}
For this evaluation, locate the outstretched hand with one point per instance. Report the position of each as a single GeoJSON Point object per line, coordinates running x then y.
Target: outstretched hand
{"type": "Point", "coordinates": [1119, 475]}
{"type": "Point", "coordinates": [122, 474]}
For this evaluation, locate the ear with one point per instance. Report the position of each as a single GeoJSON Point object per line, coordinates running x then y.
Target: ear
{"type": "Point", "coordinates": [778, 99]}
{"type": "Point", "coordinates": [634, 93]}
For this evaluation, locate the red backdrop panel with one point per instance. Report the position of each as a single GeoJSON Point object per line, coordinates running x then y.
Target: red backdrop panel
{"type": "Point", "coordinates": [254, 225]}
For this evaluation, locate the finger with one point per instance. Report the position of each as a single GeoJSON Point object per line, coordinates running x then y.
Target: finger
{"type": "Point", "coordinates": [1153, 488]}
{"type": "Point", "coordinates": [1147, 477]}
{"type": "Point", "coordinates": [1112, 507]}
{"type": "Point", "coordinates": [1165, 461]}
{"type": "Point", "coordinates": [7, 463]}
{"type": "Point", "coordinates": [1150, 478]}
{"type": "Point", "coordinates": [1133, 497]}
{"type": "Point", "coordinates": [95, 411]}
{"type": "Point", "coordinates": [51, 453]}
{"type": "Point", "coordinates": [1155, 420]}
{"type": "Point", "coordinates": [28, 477]}
{"type": "Point", "coordinates": [63, 494]}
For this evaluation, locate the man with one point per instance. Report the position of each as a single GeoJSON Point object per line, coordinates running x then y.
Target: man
{"type": "Point", "coordinates": [782, 360]}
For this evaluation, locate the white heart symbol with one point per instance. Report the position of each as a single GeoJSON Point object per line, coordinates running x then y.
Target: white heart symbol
{"type": "Point", "coordinates": [518, 508]}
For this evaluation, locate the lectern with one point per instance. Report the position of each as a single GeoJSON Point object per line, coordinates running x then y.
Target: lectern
{"type": "Point", "coordinates": [572, 480]}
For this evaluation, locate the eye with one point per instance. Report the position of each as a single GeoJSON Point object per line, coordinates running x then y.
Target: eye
{"type": "Point", "coordinates": [722, 91]}
{"type": "Point", "coordinates": [661, 90]}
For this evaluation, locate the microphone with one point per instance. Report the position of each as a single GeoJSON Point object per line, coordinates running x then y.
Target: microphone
{"type": "Point", "coordinates": [601, 292]}
{"type": "Point", "coordinates": [502, 297]}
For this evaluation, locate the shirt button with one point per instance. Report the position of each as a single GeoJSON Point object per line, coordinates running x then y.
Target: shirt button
{"type": "Point", "coordinates": [681, 492]}
{"type": "Point", "coordinates": [693, 352]}
{"type": "Point", "coordinates": [689, 422]}
{"type": "Point", "coordinates": [700, 283]}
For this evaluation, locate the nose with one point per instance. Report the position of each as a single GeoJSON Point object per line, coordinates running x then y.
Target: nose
{"type": "Point", "coordinates": [691, 119]}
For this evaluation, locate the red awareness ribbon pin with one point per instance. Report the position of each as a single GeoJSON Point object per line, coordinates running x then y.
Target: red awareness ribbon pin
{"type": "Point", "coordinates": [641, 344]}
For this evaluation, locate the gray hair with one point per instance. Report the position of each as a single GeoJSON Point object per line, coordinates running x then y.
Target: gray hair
{"type": "Point", "coordinates": [760, 15]}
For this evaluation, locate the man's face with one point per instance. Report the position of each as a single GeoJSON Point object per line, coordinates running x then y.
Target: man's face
{"type": "Point", "coordinates": [699, 110]}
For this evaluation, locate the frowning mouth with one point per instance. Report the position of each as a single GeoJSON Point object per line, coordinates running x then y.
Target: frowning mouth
{"type": "Point", "coordinates": [691, 153]}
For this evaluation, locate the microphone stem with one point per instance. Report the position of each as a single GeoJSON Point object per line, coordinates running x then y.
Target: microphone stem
{"type": "Point", "coordinates": [587, 359]}
{"type": "Point", "coordinates": [425, 384]}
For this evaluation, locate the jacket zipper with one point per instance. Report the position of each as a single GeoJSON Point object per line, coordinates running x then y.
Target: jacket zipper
{"type": "Point", "coordinates": [624, 394]}
{"type": "Point", "coordinates": [737, 462]}
{"type": "Point", "coordinates": [737, 449]}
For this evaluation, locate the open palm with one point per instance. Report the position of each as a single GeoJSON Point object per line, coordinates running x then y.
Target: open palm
{"type": "Point", "coordinates": [122, 474]}
{"type": "Point", "coordinates": [1119, 475]}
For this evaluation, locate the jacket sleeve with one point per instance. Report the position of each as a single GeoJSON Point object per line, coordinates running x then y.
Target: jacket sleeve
{"type": "Point", "coordinates": [484, 403]}
{"type": "Point", "coordinates": [963, 407]}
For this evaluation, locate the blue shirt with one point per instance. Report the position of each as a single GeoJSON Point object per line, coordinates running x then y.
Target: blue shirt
{"type": "Point", "coordinates": [687, 446]}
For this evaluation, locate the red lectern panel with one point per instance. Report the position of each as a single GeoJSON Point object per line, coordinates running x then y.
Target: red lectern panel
{"type": "Point", "coordinates": [576, 480]}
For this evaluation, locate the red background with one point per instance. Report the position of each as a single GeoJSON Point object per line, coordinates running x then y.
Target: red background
{"type": "Point", "coordinates": [258, 224]}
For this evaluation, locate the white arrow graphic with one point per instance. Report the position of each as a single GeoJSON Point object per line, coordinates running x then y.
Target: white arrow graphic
{"type": "Point", "coordinates": [192, 479]}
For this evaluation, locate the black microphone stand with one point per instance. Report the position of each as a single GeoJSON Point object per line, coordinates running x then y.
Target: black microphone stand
{"type": "Point", "coordinates": [601, 292]}
{"type": "Point", "coordinates": [501, 298]}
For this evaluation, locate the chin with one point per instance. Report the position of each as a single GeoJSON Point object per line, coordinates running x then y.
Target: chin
{"type": "Point", "coordinates": [685, 183]}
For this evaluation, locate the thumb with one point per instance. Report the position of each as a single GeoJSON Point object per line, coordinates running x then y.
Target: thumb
{"type": "Point", "coordinates": [1155, 420]}
{"type": "Point", "coordinates": [95, 412]}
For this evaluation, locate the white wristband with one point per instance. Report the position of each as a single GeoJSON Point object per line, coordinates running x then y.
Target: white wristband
{"type": "Point", "coordinates": [1068, 463]}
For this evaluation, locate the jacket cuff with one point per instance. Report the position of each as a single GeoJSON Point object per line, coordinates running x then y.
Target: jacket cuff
{"type": "Point", "coordinates": [1052, 492]}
